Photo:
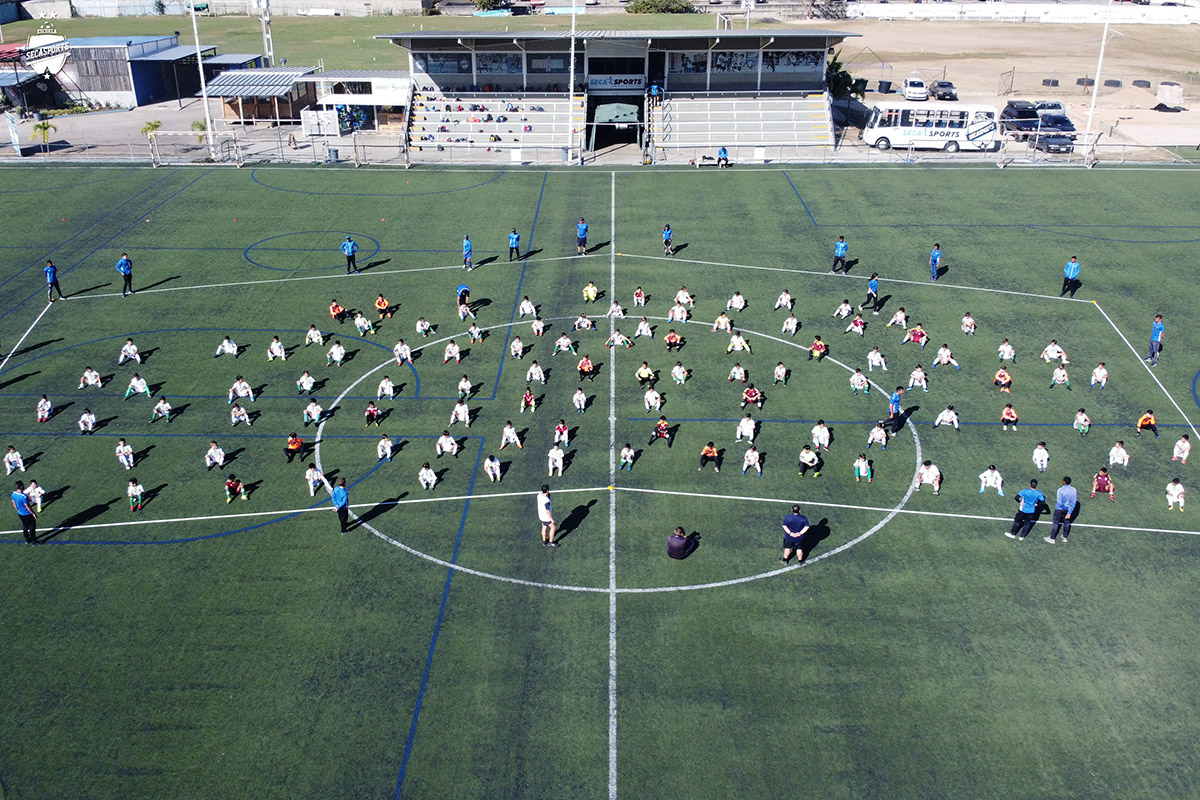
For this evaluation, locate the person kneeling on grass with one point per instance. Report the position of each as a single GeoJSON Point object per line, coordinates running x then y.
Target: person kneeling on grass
{"type": "Point", "coordinates": [680, 545]}
{"type": "Point", "coordinates": [234, 488]}
{"type": "Point", "coordinates": [135, 492]}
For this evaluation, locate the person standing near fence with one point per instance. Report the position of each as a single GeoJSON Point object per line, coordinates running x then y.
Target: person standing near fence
{"type": "Point", "coordinates": [125, 267]}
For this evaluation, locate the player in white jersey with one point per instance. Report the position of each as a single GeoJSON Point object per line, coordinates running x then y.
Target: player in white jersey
{"type": "Point", "coordinates": [562, 434]}
{"type": "Point", "coordinates": [90, 378]}
{"type": "Point", "coordinates": [1182, 448]}
{"type": "Point", "coordinates": [679, 373]}
{"type": "Point", "coordinates": [579, 400]}
{"type": "Point", "coordinates": [383, 448]}
{"type": "Point", "coordinates": [460, 413]}
{"type": "Point", "coordinates": [878, 435]}
{"type": "Point", "coordinates": [948, 416]}
{"type": "Point", "coordinates": [678, 313]}
{"type": "Point", "coordinates": [87, 422]}
{"type": "Point", "coordinates": [899, 318]}
{"type": "Point", "coordinates": [784, 301]}
{"type": "Point", "coordinates": [736, 302]}
{"type": "Point", "coordinates": [445, 444]}
{"type": "Point", "coordinates": [427, 476]}
{"type": "Point", "coordinates": [554, 457]}
{"type": "Point", "coordinates": [790, 325]}
{"type": "Point", "coordinates": [13, 460]}
{"type": "Point", "coordinates": [385, 389]}
{"type": "Point", "coordinates": [862, 469]}
{"type": "Point", "coordinates": [644, 329]}
{"type": "Point", "coordinates": [876, 359]}
{"type": "Point", "coordinates": [821, 435]}
{"type": "Point", "coordinates": [991, 478]}
{"type": "Point", "coordinates": [402, 352]}
{"type": "Point", "coordinates": [928, 474]}
{"type": "Point", "coordinates": [491, 468]}
{"type": "Point", "coordinates": [240, 389]}
{"type": "Point", "coordinates": [305, 384]}
{"type": "Point", "coordinates": [615, 311]}
{"type": "Point", "coordinates": [314, 336]}
{"type": "Point", "coordinates": [859, 382]}
{"type": "Point", "coordinates": [526, 307]}
{"type": "Point", "coordinates": [238, 414]}
{"type": "Point", "coordinates": [516, 348]}
{"type": "Point", "coordinates": [1007, 352]}
{"type": "Point", "coordinates": [944, 357]}
{"type": "Point", "coordinates": [315, 479]}
{"type": "Point", "coordinates": [161, 409]}
{"type": "Point", "coordinates": [129, 352]}
{"type": "Point", "coordinates": [918, 378]}
{"type": "Point", "coordinates": [423, 327]}
{"type": "Point", "coordinates": [745, 427]}
{"type": "Point", "coordinates": [737, 373]}
{"type": "Point", "coordinates": [738, 343]}
{"type": "Point", "coordinates": [1053, 351]}
{"type": "Point", "coordinates": [509, 436]}
{"type": "Point", "coordinates": [535, 373]}
{"type": "Point", "coordinates": [1100, 375]}
{"type": "Point", "coordinates": [123, 452]}
{"type": "Point", "coordinates": [1041, 457]}
{"type": "Point", "coordinates": [684, 297]}
{"type": "Point", "coordinates": [652, 400]}
{"type": "Point", "coordinates": [844, 310]}
{"type": "Point", "coordinates": [137, 385]}
{"type": "Point", "coordinates": [751, 460]}
{"type": "Point", "coordinates": [722, 323]}
{"type": "Point", "coordinates": [214, 456]}
{"type": "Point", "coordinates": [227, 347]}
{"type": "Point", "coordinates": [538, 326]}
{"type": "Point", "coordinates": [1175, 494]}
{"type": "Point", "coordinates": [276, 350]}
{"type": "Point", "coordinates": [627, 455]}
{"type": "Point", "coordinates": [1119, 455]}
{"type": "Point", "coordinates": [45, 409]}
{"type": "Point", "coordinates": [1060, 377]}
{"type": "Point", "coordinates": [452, 351]}
{"type": "Point", "coordinates": [968, 324]}
{"type": "Point", "coordinates": [312, 413]}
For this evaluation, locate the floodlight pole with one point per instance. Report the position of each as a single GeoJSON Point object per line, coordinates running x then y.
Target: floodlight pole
{"type": "Point", "coordinates": [208, 126]}
{"type": "Point", "coordinates": [571, 91]}
{"type": "Point", "coordinates": [1087, 136]}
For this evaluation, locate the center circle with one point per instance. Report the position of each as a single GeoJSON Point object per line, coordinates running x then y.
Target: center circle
{"type": "Point", "coordinates": [322, 238]}
{"type": "Point", "coordinates": [629, 589]}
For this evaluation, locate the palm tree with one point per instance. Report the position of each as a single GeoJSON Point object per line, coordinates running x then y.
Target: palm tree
{"type": "Point", "coordinates": [150, 127]}
{"type": "Point", "coordinates": [42, 131]}
{"type": "Point", "coordinates": [198, 126]}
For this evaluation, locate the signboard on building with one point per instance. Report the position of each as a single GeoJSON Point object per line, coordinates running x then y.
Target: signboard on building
{"type": "Point", "coordinates": [616, 83]}
{"type": "Point", "coordinates": [13, 132]}
{"type": "Point", "coordinates": [46, 53]}
{"type": "Point", "coordinates": [319, 123]}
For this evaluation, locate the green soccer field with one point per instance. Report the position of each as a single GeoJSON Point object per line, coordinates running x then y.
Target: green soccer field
{"type": "Point", "coordinates": [205, 649]}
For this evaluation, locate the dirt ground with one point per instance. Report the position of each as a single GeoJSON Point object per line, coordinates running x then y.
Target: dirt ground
{"type": "Point", "coordinates": [976, 55]}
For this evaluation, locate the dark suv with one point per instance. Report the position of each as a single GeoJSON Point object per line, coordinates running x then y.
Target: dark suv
{"type": "Point", "coordinates": [1020, 118]}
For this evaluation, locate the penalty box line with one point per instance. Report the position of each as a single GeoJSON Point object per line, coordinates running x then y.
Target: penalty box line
{"type": "Point", "coordinates": [265, 281]}
{"type": "Point", "coordinates": [307, 510]}
{"type": "Point", "coordinates": [900, 511]}
{"type": "Point", "coordinates": [856, 277]}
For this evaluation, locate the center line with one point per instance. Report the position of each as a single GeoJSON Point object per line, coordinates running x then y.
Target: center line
{"type": "Point", "coordinates": [612, 505]}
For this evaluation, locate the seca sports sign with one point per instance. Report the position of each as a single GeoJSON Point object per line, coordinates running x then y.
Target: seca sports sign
{"type": "Point", "coordinates": [46, 53]}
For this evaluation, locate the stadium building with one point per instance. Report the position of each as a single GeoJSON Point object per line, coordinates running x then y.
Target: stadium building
{"type": "Point", "coordinates": [674, 95]}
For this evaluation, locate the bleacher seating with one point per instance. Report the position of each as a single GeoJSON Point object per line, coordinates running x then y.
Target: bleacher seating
{"type": "Point", "coordinates": [792, 120]}
{"type": "Point", "coordinates": [487, 122]}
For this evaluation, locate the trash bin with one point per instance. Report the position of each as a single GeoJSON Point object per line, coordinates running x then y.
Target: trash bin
{"type": "Point", "coordinates": [860, 86]}
{"type": "Point", "coordinates": [333, 155]}
{"type": "Point", "coordinates": [885, 87]}
{"type": "Point", "coordinates": [37, 116]}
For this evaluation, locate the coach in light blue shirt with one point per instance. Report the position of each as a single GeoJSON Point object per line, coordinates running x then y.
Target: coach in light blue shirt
{"type": "Point", "coordinates": [1156, 337]}
{"type": "Point", "coordinates": [1064, 510]}
{"type": "Point", "coordinates": [1071, 280]}
{"type": "Point", "coordinates": [350, 250]}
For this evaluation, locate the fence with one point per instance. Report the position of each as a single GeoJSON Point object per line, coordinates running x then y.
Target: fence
{"type": "Point", "coordinates": [238, 150]}
{"type": "Point", "coordinates": [1025, 13]}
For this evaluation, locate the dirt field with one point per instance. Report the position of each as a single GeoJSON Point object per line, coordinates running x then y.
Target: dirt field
{"type": "Point", "coordinates": [975, 55]}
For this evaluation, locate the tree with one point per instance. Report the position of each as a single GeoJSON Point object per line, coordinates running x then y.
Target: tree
{"type": "Point", "coordinates": [150, 127]}
{"type": "Point", "coordinates": [42, 131]}
{"type": "Point", "coordinates": [659, 7]}
{"type": "Point", "coordinates": [839, 80]}
{"type": "Point", "coordinates": [490, 5]}
{"type": "Point", "coordinates": [198, 125]}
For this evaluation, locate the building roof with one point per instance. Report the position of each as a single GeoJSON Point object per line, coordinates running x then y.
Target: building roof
{"type": "Point", "coordinates": [231, 59]}
{"type": "Point", "coordinates": [7, 78]}
{"type": "Point", "coordinates": [180, 52]}
{"type": "Point", "coordinates": [113, 41]}
{"type": "Point", "coordinates": [508, 36]}
{"type": "Point", "coordinates": [357, 74]}
{"type": "Point", "coordinates": [267, 82]}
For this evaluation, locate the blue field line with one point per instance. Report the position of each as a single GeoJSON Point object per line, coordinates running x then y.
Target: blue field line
{"type": "Point", "coordinates": [520, 283]}
{"type": "Point", "coordinates": [437, 628]}
{"type": "Point", "coordinates": [85, 230]}
{"type": "Point", "coordinates": [909, 421]}
{"type": "Point", "coordinates": [105, 243]}
{"type": "Point", "coordinates": [130, 335]}
{"type": "Point", "coordinates": [1195, 397]}
{"type": "Point", "coordinates": [801, 199]}
{"type": "Point", "coordinates": [399, 195]}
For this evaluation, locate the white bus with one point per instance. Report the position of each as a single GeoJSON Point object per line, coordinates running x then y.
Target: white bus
{"type": "Point", "coordinates": [940, 127]}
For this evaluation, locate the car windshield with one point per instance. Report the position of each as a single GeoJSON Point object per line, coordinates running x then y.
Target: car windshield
{"type": "Point", "coordinates": [1057, 120]}
{"type": "Point", "coordinates": [916, 84]}
{"type": "Point", "coordinates": [944, 85]}
{"type": "Point", "coordinates": [1023, 113]}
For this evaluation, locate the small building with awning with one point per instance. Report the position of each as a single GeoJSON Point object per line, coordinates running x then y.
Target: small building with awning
{"type": "Point", "coordinates": [268, 94]}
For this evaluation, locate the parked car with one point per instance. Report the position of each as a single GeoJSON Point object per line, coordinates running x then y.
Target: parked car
{"type": "Point", "coordinates": [1020, 118]}
{"type": "Point", "coordinates": [943, 90]}
{"type": "Point", "coordinates": [1049, 107]}
{"type": "Point", "coordinates": [1060, 122]}
{"type": "Point", "coordinates": [914, 89]}
{"type": "Point", "coordinates": [1051, 143]}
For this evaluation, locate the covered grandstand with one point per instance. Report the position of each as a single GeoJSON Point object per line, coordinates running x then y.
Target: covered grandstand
{"type": "Point", "coordinates": [504, 95]}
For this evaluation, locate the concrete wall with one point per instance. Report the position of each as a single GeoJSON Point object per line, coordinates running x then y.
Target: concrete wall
{"type": "Point", "coordinates": [46, 9]}
{"type": "Point", "coordinates": [1124, 13]}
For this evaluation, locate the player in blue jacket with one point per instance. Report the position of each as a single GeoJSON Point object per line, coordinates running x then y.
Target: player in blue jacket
{"type": "Point", "coordinates": [514, 245]}
{"type": "Point", "coordinates": [467, 254]}
{"type": "Point", "coordinates": [52, 281]}
{"type": "Point", "coordinates": [581, 231]}
{"type": "Point", "coordinates": [839, 254]}
{"type": "Point", "coordinates": [125, 267]}
{"type": "Point", "coordinates": [935, 261]}
{"type": "Point", "coordinates": [350, 249]}
{"type": "Point", "coordinates": [668, 235]}
{"type": "Point", "coordinates": [1071, 280]}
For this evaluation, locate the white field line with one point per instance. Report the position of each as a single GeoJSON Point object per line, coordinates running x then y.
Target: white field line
{"type": "Point", "coordinates": [1153, 377]}
{"type": "Point", "coordinates": [857, 277]}
{"type": "Point", "coordinates": [594, 489]}
{"type": "Point", "coordinates": [295, 279]}
{"type": "Point", "coordinates": [612, 506]}
{"type": "Point", "coordinates": [29, 330]}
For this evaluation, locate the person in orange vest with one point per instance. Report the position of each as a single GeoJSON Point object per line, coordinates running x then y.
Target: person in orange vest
{"type": "Point", "coordinates": [294, 446]}
{"type": "Point", "coordinates": [709, 453]}
{"type": "Point", "coordinates": [1008, 417]}
{"type": "Point", "coordinates": [586, 369]}
{"type": "Point", "coordinates": [383, 307]}
{"type": "Point", "coordinates": [1003, 380]}
{"type": "Point", "coordinates": [1147, 421]}
{"type": "Point", "coordinates": [336, 311]}
{"type": "Point", "coordinates": [674, 340]}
